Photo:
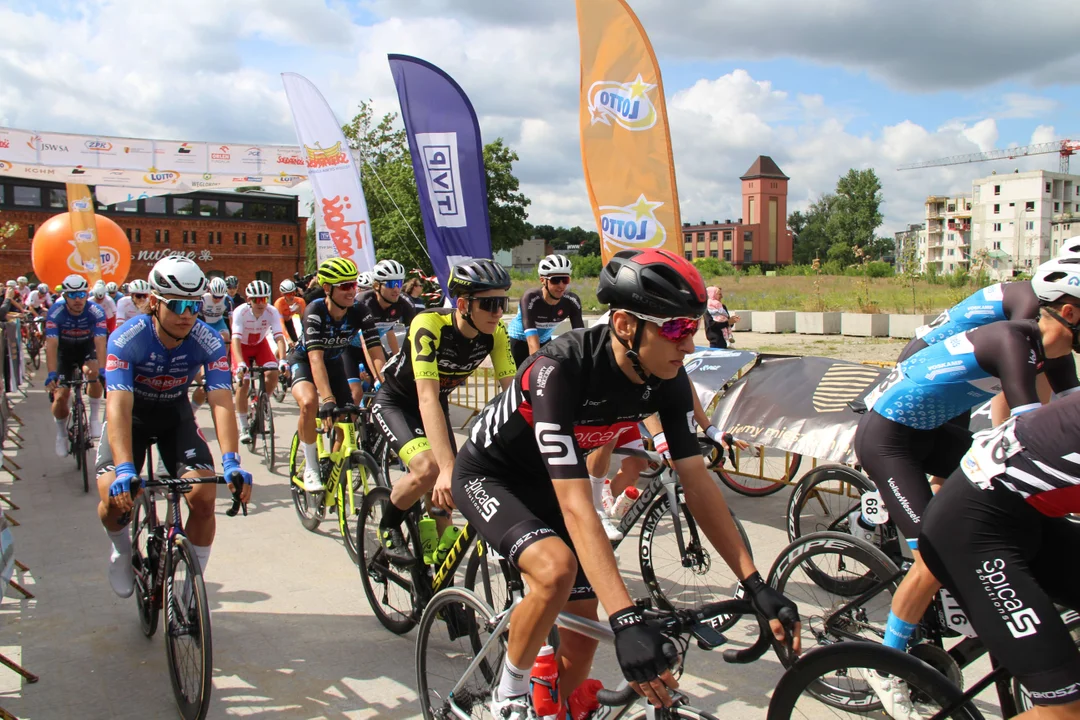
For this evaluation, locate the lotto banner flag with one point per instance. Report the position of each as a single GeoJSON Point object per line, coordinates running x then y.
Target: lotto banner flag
{"type": "Point", "coordinates": [340, 209]}
{"type": "Point", "coordinates": [84, 228]}
{"type": "Point", "coordinates": [448, 160]}
{"type": "Point", "coordinates": [625, 143]}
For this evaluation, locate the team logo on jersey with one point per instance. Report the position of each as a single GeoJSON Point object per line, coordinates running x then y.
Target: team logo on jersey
{"type": "Point", "coordinates": [221, 364]}
{"type": "Point", "coordinates": [628, 104]}
{"type": "Point", "coordinates": [114, 363]}
{"type": "Point", "coordinates": [161, 383]}
{"type": "Point", "coordinates": [841, 384]}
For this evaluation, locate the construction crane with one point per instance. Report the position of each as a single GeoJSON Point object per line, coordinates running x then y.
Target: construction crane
{"type": "Point", "coordinates": [1064, 148]}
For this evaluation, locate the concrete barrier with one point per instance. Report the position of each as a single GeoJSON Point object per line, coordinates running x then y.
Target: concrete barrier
{"type": "Point", "coordinates": [777, 321]}
{"type": "Point", "coordinates": [864, 324]}
{"type": "Point", "coordinates": [817, 323]}
{"type": "Point", "coordinates": [746, 320]}
{"type": "Point", "coordinates": [903, 326]}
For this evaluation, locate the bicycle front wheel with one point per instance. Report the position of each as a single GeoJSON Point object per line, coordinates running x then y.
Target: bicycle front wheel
{"type": "Point", "coordinates": [824, 499]}
{"type": "Point", "coordinates": [267, 426]}
{"type": "Point", "coordinates": [455, 629]}
{"type": "Point", "coordinates": [187, 636]}
{"type": "Point", "coordinates": [389, 588]}
{"type": "Point", "coordinates": [144, 566]}
{"type": "Point", "coordinates": [366, 475]}
{"type": "Point", "coordinates": [310, 508]}
{"type": "Point", "coordinates": [770, 472]}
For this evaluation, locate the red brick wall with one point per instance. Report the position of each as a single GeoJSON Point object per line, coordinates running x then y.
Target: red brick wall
{"type": "Point", "coordinates": [229, 258]}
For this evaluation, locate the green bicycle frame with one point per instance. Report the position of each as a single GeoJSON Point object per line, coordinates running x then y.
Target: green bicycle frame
{"type": "Point", "coordinates": [335, 488]}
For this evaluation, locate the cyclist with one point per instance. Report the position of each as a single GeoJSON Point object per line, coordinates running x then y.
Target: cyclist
{"type": "Point", "coordinates": [385, 303]}
{"type": "Point", "coordinates": [363, 281]}
{"type": "Point", "coordinates": [216, 307]}
{"type": "Point", "coordinates": [101, 297]}
{"type": "Point", "coordinates": [997, 536]}
{"type": "Point", "coordinates": [541, 310]}
{"type": "Point", "coordinates": [232, 285]}
{"type": "Point", "coordinates": [320, 380]}
{"type": "Point", "coordinates": [114, 291]}
{"type": "Point", "coordinates": [16, 299]}
{"type": "Point", "coordinates": [39, 300]}
{"type": "Point", "coordinates": [251, 323]}
{"type": "Point", "coordinates": [136, 302]}
{"type": "Point", "coordinates": [75, 335]}
{"type": "Point", "coordinates": [442, 348]}
{"type": "Point", "coordinates": [22, 284]}
{"type": "Point", "coordinates": [521, 480]}
{"type": "Point", "coordinates": [289, 306]}
{"type": "Point", "coordinates": [151, 361]}
{"type": "Point", "coordinates": [907, 434]}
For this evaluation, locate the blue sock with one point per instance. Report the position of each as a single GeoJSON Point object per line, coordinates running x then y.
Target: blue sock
{"type": "Point", "coordinates": [898, 633]}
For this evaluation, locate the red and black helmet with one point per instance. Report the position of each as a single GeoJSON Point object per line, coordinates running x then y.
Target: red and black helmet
{"type": "Point", "coordinates": [652, 282]}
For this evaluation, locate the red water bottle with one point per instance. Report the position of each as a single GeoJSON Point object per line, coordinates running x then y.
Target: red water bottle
{"type": "Point", "coordinates": [545, 684]}
{"type": "Point", "coordinates": [583, 700]}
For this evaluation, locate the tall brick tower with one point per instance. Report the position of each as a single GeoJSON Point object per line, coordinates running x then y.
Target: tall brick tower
{"type": "Point", "coordinates": [764, 233]}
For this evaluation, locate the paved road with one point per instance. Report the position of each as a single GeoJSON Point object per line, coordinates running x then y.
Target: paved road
{"type": "Point", "coordinates": [293, 635]}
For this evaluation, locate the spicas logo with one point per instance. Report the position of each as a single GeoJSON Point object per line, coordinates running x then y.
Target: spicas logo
{"type": "Point", "coordinates": [632, 226]}
{"type": "Point", "coordinates": [1021, 621]}
{"type": "Point", "coordinates": [627, 104]}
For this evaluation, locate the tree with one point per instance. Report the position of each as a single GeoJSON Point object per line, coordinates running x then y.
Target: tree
{"type": "Point", "coordinates": [857, 212]}
{"type": "Point", "coordinates": [590, 244]}
{"type": "Point", "coordinates": [811, 239]}
{"type": "Point", "coordinates": [506, 205]}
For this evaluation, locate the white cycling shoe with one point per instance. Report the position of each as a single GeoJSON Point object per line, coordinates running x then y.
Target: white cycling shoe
{"type": "Point", "coordinates": [512, 708]}
{"type": "Point", "coordinates": [121, 574]}
{"type": "Point", "coordinates": [312, 482]}
{"type": "Point", "coordinates": [894, 694]}
{"type": "Point", "coordinates": [245, 436]}
{"type": "Point", "coordinates": [610, 527]}
{"type": "Point", "coordinates": [62, 445]}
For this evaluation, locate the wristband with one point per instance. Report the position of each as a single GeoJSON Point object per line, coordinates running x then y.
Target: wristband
{"type": "Point", "coordinates": [660, 442]}
{"type": "Point", "coordinates": [625, 618]}
{"type": "Point", "coordinates": [230, 457]}
{"type": "Point", "coordinates": [711, 432]}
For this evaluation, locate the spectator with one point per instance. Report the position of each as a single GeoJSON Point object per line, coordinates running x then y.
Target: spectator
{"type": "Point", "coordinates": [412, 289]}
{"type": "Point", "coordinates": [718, 320]}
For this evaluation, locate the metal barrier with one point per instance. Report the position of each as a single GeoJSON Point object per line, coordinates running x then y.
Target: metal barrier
{"type": "Point", "coordinates": [475, 392]}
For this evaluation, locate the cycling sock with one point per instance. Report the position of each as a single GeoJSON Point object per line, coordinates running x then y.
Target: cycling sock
{"type": "Point", "coordinates": [242, 420]}
{"type": "Point", "coordinates": [95, 408]}
{"type": "Point", "coordinates": [203, 553]}
{"type": "Point", "coordinates": [897, 633]}
{"type": "Point", "coordinates": [311, 454]}
{"type": "Point", "coordinates": [392, 516]}
{"type": "Point", "coordinates": [514, 681]}
{"type": "Point", "coordinates": [598, 491]}
{"type": "Point", "coordinates": [61, 425]}
{"type": "Point", "coordinates": [121, 541]}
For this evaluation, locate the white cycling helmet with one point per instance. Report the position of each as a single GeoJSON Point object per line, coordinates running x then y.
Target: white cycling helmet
{"type": "Point", "coordinates": [73, 283]}
{"type": "Point", "coordinates": [218, 288]}
{"type": "Point", "coordinates": [111, 287]}
{"type": "Point", "coordinates": [1070, 248]}
{"type": "Point", "coordinates": [99, 284]}
{"type": "Point", "coordinates": [10, 283]}
{"type": "Point", "coordinates": [139, 287]}
{"type": "Point", "coordinates": [42, 288]}
{"type": "Point", "coordinates": [22, 280]}
{"type": "Point", "coordinates": [1056, 280]}
{"type": "Point", "coordinates": [287, 286]}
{"type": "Point", "coordinates": [257, 289]}
{"type": "Point", "coordinates": [388, 270]}
{"type": "Point", "coordinates": [98, 291]}
{"type": "Point", "coordinates": [364, 280]}
{"type": "Point", "coordinates": [177, 276]}
{"type": "Point", "coordinates": [554, 265]}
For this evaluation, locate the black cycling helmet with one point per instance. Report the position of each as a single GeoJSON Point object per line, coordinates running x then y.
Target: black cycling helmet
{"type": "Point", "coordinates": [473, 276]}
{"type": "Point", "coordinates": [232, 282]}
{"type": "Point", "coordinates": [652, 282]}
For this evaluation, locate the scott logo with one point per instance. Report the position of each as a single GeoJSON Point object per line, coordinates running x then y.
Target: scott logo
{"type": "Point", "coordinates": [114, 363]}
{"type": "Point", "coordinates": [628, 104]}
{"type": "Point", "coordinates": [632, 226]}
{"type": "Point", "coordinates": [161, 383]}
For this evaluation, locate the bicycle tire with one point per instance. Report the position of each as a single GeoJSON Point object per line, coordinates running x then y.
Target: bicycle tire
{"type": "Point", "coordinates": [143, 567]}
{"type": "Point", "coordinates": [470, 610]}
{"type": "Point", "coordinates": [823, 483]}
{"type": "Point", "coordinates": [750, 485]}
{"type": "Point", "coordinates": [266, 425]}
{"type": "Point", "coordinates": [379, 576]}
{"type": "Point", "coordinates": [188, 617]}
{"type": "Point", "coordinates": [673, 713]}
{"type": "Point", "coordinates": [83, 441]}
{"type": "Point", "coordinates": [685, 593]}
{"type": "Point", "coordinates": [310, 507]}
{"type": "Point", "coordinates": [925, 682]}
{"type": "Point", "coordinates": [362, 465]}
{"type": "Point", "coordinates": [823, 628]}
{"type": "Point", "coordinates": [280, 390]}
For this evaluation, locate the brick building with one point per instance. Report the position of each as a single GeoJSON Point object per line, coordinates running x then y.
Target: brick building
{"type": "Point", "coordinates": [253, 235]}
{"type": "Point", "coordinates": [764, 239]}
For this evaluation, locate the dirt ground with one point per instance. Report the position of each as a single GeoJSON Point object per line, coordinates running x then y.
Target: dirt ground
{"type": "Point", "coordinates": [855, 349]}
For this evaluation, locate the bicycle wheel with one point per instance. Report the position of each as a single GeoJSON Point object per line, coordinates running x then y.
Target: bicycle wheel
{"type": "Point", "coordinates": [310, 507]}
{"type": "Point", "coordinates": [444, 651]}
{"type": "Point", "coordinates": [365, 474]}
{"type": "Point", "coordinates": [796, 695]}
{"type": "Point", "coordinates": [823, 499]}
{"type": "Point", "coordinates": [267, 427]}
{"type": "Point", "coordinates": [389, 589]}
{"type": "Point", "coordinates": [144, 558]}
{"type": "Point", "coordinates": [280, 390]}
{"type": "Point", "coordinates": [673, 713]}
{"type": "Point", "coordinates": [188, 648]}
{"type": "Point", "coordinates": [82, 444]}
{"type": "Point", "coordinates": [686, 579]}
{"type": "Point", "coordinates": [755, 476]}
{"type": "Point", "coordinates": [486, 576]}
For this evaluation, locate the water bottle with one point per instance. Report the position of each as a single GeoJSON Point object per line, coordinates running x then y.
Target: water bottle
{"type": "Point", "coordinates": [583, 702]}
{"type": "Point", "coordinates": [429, 539]}
{"type": "Point", "coordinates": [623, 503]}
{"type": "Point", "coordinates": [545, 685]}
{"type": "Point", "coordinates": [449, 537]}
{"type": "Point", "coordinates": [607, 500]}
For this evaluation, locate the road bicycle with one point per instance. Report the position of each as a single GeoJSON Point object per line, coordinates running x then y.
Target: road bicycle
{"type": "Point", "coordinates": [284, 384]}
{"type": "Point", "coordinates": [260, 415]}
{"type": "Point", "coordinates": [455, 674]}
{"type": "Point", "coordinates": [78, 425]}
{"type": "Point", "coordinates": [35, 340]}
{"type": "Point", "coordinates": [346, 472]}
{"type": "Point", "coordinates": [168, 576]}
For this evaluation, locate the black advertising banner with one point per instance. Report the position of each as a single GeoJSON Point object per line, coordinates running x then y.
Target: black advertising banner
{"type": "Point", "coordinates": [709, 370]}
{"type": "Point", "coordinates": [799, 405]}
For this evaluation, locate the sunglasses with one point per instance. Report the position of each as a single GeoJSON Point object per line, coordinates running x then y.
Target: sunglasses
{"type": "Point", "coordinates": [393, 284]}
{"type": "Point", "coordinates": [673, 329]}
{"type": "Point", "coordinates": [559, 279]}
{"type": "Point", "coordinates": [182, 306]}
{"type": "Point", "coordinates": [76, 295]}
{"type": "Point", "coordinates": [345, 286]}
{"type": "Point", "coordinates": [492, 304]}
{"type": "Point", "coordinates": [258, 300]}
{"type": "Point", "coordinates": [139, 296]}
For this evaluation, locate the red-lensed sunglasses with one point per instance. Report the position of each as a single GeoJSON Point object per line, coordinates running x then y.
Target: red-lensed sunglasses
{"type": "Point", "coordinates": [673, 329]}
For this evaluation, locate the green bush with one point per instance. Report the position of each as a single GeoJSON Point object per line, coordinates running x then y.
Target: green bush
{"type": "Point", "coordinates": [753, 271]}
{"type": "Point", "coordinates": [879, 269]}
{"type": "Point", "coordinates": [588, 266]}
{"type": "Point", "coordinates": [708, 267]}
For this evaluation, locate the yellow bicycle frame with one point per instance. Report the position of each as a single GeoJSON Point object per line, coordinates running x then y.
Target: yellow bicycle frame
{"type": "Point", "coordinates": [335, 489]}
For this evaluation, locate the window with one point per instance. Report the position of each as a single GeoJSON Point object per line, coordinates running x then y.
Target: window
{"type": "Point", "coordinates": [58, 198]}
{"type": "Point", "coordinates": [689, 254]}
{"type": "Point", "coordinates": [952, 252]}
{"type": "Point", "coordinates": [243, 238]}
{"type": "Point", "coordinates": [688, 237]}
{"type": "Point", "coordinates": [997, 245]}
{"type": "Point", "coordinates": [258, 239]}
{"type": "Point", "coordinates": [280, 212]}
{"type": "Point", "coordinates": [138, 235]}
{"type": "Point", "coordinates": [712, 236]}
{"type": "Point", "coordinates": [701, 237]}
{"type": "Point", "coordinates": [1029, 205]}
{"type": "Point", "coordinates": [997, 227]}
{"type": "Point", "coordinates": [266, 276]}
{"type": "Point", "coordinates": [127, 231]}
{"type": "Point", "coordinates": [701, 253]}
{"type": "Point", "coordinates": [952, 237]}
{"type": "Point", "coordinates": [1057, 207]}
{"type": "Point", "coordinates": [997, 208]}
{"type": "Point", "coordinates": [727, 255]}
{"type": "Point", "coordinates": [1047, 187]}
{"type": "Point", "coordinates": [234, 209]}
{"type": "Point", "coordinates": [157, 237]}
{"type": "Point", "coordinates": [1029, 225]}
{"type": "Point", "coordinates": [184, 240]}
{"type": "Point", "coordinates": [747, 255]}
{"type": "Point", "coordinates": [30, 231]}
{"type": "Point", "coordinates": [127, 206]}
{"type": "Point", "coordinates": [727, 236]}
{"type": "Point", "coordinates": [154, 205]}
{"type": "Point", "coordinates": [166, 237]}
{"type": "Point", "coordinates": [194, 236]}
{"type": "Point", "coordinates": [209, 208]}
{"type": "Point", "coordinates": [997, 189]}
{"type": "Point", "coordinates": [218, 238]}
{"type": "Point", "coordinates": [183, 206]}
{"type": "Point", "coordinates": [290, 241]}
{"type": "Point", "coordinates": [236, 238]}
{"type": "Point", "coordinates": [714, 253]}
{"type": "Point", "coordinates": [952, 208]}
{"type": "Point", "coordinates": [257, 211]}
{"type": "Point", "coordinates": [27, 196]}
{"type": "Point", "coordinates": [283, 241]}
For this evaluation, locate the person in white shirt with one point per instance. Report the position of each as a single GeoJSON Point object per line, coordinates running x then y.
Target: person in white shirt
{"type": "Point", "coordinates": [23, 286]}
{"type": "Point", "coordinates": [135, 303]}
{"type": "Point", "coordinates": [251, 322]}
{"type": "Point", "coordinates": [102, 298]}
{"type": "Point", "coordinates": [39, 300]}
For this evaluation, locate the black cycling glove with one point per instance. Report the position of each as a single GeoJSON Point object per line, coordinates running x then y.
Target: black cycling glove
{"type": "Point", "coordinates": [769, 601]}
{"type": "Point", "coordinates": [326, 410]}
{"type": "Point", "coordinates": [638, 647]}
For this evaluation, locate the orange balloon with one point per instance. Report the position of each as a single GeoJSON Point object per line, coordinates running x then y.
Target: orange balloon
{"type": "Point", "coordinates": [54, 255]}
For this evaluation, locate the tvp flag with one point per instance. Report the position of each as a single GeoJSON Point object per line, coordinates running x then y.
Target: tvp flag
{"type": "Point", "coordinates": [84, 227]}
{"type": "Point", "coordinates": [341, 213]}
{"type": "Point", "coordinates": [448, 160]}
{"type": "Point", "coordinates": [625, 143]}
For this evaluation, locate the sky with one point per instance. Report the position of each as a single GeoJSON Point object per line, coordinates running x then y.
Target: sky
{"type": "Point", "coordinates": [820, 86]}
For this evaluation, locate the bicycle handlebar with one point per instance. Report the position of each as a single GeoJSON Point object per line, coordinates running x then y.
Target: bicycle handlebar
{"type": "Point", "coordinates": [182, 485]}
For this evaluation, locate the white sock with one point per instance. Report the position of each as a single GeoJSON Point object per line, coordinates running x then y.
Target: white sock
{"type": "Point", "coordinates": [514, 681]}
{"type": "Point", "coordinates": [203, 553]}
{"type": "Point", "coordinates": [241, 420]}
{"type": "Point", "coordinates": [121, 541]}
{"type": "Point", "coordinates": [61, 426]}
{"type": "Point", "coordinates": [95, 408]}
{"type": "Point", "coordinates": [311, 454]}
{"type": "Point", "coordinates": [598, 491]}
{"type": "Point", "coordinates": [195, 406]}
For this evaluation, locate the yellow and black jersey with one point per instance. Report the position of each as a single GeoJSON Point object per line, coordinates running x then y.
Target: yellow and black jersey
{"type": "Point", "coordinates": [435, 350]}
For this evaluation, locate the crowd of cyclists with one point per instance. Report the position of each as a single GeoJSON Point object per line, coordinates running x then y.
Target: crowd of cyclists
{"type": "Point", "coordinates": [531, 475]}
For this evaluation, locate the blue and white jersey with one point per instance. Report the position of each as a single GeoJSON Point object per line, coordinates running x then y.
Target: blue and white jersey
{"type": "Point", "coordinates": [138, 363]}
{"type": "Point", "coordinates": [980, 308]}
{"type": "Point", "coordinates": [536, 318]}
{"type": "Point", "coordinates": [213, 310]}
{"type": "Point", "coordinates": [81, 328]}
